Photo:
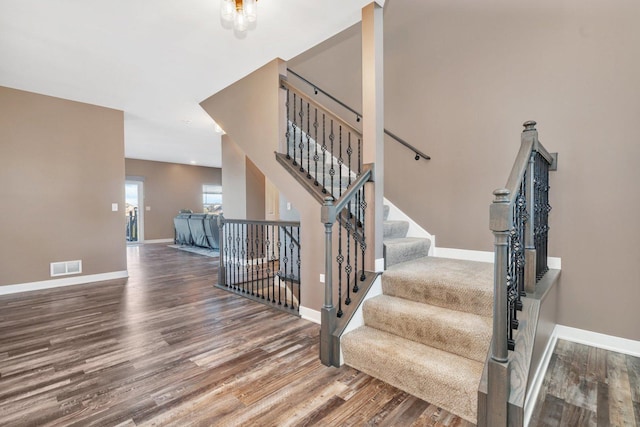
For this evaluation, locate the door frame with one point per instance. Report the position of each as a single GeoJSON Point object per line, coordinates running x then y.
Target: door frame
{"type": "Point", "coordinates": [139, 182]}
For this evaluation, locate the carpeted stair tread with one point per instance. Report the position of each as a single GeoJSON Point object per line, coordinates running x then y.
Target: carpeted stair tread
{"type": "Point", "coordinates": [394, 229]}
{"type": "Point", "coordinates": [402, 249]}
{"type": "Point", "coordinates": [449, 283]}
{"type": "Point", "coordinates": [444, 379]}
{"type": "Point", "coordinates": [457, 332]}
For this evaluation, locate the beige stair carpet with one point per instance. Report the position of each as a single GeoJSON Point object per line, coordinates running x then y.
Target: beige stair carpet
{"type": "Point", "coordinates": [429, 333]}
{"type": "Point", "coordinates": [443, 379]}
{"type": "Point", "coordinates": [449, 283]}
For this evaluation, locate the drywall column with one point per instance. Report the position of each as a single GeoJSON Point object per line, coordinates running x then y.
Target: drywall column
{"type": "Point", "coordinates": [373, 123]}
{"type": "Point", "coordinates": [234, 180]}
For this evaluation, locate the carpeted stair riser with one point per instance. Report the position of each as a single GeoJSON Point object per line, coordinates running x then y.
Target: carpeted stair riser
{"type": "Point", "coordinates": [443, 379]}
{"type": "Point", "coordinates": [404, 249]}
{"type": "Point", "coordinates": [394, 229]}
{"type": "Point", "coordinates": [385, 212]}
{"type": "Point", "coordinates": [456, 332]}
{"type": "Point", "coordinates": [454, 284]}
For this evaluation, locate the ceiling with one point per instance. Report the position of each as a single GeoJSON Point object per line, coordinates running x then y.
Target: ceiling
{"type": "Point", "coordinates": [154, 59]}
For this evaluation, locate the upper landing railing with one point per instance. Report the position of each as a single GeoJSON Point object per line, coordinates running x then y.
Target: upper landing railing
{"type": "Point", "coordinates": [316, 89]}
{"type": "Point", "coordinates": [519, 221]}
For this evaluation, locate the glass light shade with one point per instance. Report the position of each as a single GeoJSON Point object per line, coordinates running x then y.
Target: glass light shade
{"type": "Point", "coordinates": [227, 9]}
{"type": "Point", "coordinates": [240, 22]}
{"type": "Point", "coordinates": [250, 10]}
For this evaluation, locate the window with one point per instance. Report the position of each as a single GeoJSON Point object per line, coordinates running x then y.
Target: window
{"type": "Point", "coordinates": [212, 199]}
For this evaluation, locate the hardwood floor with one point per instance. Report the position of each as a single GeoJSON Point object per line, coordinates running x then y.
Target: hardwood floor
{"type": "Point", "coordinates": [166, 347]}
{"type": "Point", "coordinates": [588, 386]}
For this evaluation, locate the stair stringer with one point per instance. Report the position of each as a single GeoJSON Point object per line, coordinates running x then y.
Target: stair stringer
{"type": "Point", "coordinates": [415, 229]}
{"type": "Point", "coordinates": [357, 319]}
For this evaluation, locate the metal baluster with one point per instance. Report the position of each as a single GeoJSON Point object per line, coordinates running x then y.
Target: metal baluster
{"type": "Point", "coordinates": [273, 262]}
{"type": "Point", "coordinates": [262, 259]}
{"type": "Point", "coordinates": [286, 261]}
{"type": "Point", "coordinates": [348, 267]}
{"type": "Point", "coordinates": [269, 243]}
{"type": "Point", "coordinates": [355, 241]}
{"type": "Point", "coordinates": [349, 152]}
{"type": "Point", "coordinates": [315, 136]}
{"type": "Point", "coordinates": [308, 142]}
{"type": "Point", "coordinates": [280, 261]}
{"type": "Point", "coordinates": [236, 265]}
{"type": "Point", "coordinates": [245, 248]}
{"type": "Point", "coordinates": [294, 127]}
{"type": "Point", "coordinates": [363, 243]}
{"type": "Point", "coordinates": [332, 171]}
{"type": "Point", "coordinates": [289, 126]}
{"type": "Point", "coordinates": [340, 161]}
{"type": "Point", "coordinates": [359, 156]}
{"type": "Point", "coordinates": [340, 259]}
{"type": "Point", "coordinates": [299, 262]}
{"type": "Point", "coordinates": [324, 155]}
{"type": "Point", "coordinates": [301, 146]}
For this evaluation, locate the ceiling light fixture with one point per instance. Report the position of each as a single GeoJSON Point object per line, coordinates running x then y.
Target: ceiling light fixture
{"type": "Point", "coordinates": [238, 13]}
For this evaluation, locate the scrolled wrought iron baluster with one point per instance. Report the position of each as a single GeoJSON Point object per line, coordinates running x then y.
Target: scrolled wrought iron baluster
{"type": "Point", "coordinates": [363, 242]}
{"type": "Point", "coordinates": [294, 127]}
{"type": "Point", "coordinates": [245, 249]}
{"type": "Point", "coordinates": [332, 170]}
{"type": "Point", "coordinates": [301, 144]}
{"type": "Point", "coordinates": [262, 259]}
{"type": "Point", "coordinates": [289, 126]}
{"type": "Point", "coordinates": [348, 268]}
{"type": "Point", "coordinates": [349, 153]}
{"type": "Point", "coordinates": [339, 259]}
{"type": "Point", "coordinates": [340, 161]}
{"type": "Point", "coordinates": [308, 142]}
{"type": "Point", "coordinates": [324, 154]}
{"type": "Point", "coordinates": [282, 260]}
{"type": "Point", "coordinates": [315, 145]}
{"type": "Point", "coordinates": [299, 263]}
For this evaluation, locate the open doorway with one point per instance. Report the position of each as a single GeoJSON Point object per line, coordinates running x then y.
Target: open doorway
{"type": "Point", "coordinates": [134, 211]}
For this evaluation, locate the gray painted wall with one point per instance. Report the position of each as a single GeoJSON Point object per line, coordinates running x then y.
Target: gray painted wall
{"type": "Point", "coordinates": [460, 78]}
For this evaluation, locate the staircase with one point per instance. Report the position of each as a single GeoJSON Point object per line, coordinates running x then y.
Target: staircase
{"type": "Point", "coordinates": [429, 332]}
{"type": "Point", "coordinates": [397, 246]}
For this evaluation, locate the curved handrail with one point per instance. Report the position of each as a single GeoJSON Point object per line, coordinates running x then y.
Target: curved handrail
{"type": "Point", "coordinates": [419, 154]}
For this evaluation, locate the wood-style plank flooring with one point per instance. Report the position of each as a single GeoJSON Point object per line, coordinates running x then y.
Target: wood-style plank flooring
{"type": "Point", "coordinates": [588, 386]}
{"type": "Point", "coordinates": [166, 347]}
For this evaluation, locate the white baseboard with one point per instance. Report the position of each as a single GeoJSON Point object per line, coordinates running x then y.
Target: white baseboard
{"type": "Point", "coordinates": [484, 256]}
{"type": "Point", "coordinates": [158, 241]}
{"type": "Point", "coordinates": [595, 339]}
{"type": "Point", "coordinates": [310, 314]}
{"type": "Point", "coordinates": [56, 283]}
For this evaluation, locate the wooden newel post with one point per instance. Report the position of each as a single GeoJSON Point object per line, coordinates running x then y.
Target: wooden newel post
{"type": "Point", "coordinates": [498, 369]}
{"type": "Point", "coordinates": [328, 312]}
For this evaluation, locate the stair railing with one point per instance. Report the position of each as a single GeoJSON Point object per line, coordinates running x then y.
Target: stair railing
{"type": "Point", "coordinates": [261, 261]}
{"type": "Point", "coordinates": [349, 212]}
{"type": "Point", "coordinates": [322, 145]}
{"type": "Point", "coordinates": [519, 221]}
{"type": "Point", "coordinates": [316, 89]}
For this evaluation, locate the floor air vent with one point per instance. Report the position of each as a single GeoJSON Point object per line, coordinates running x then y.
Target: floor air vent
{"type": "Point", "coordinates": [66, 267]}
